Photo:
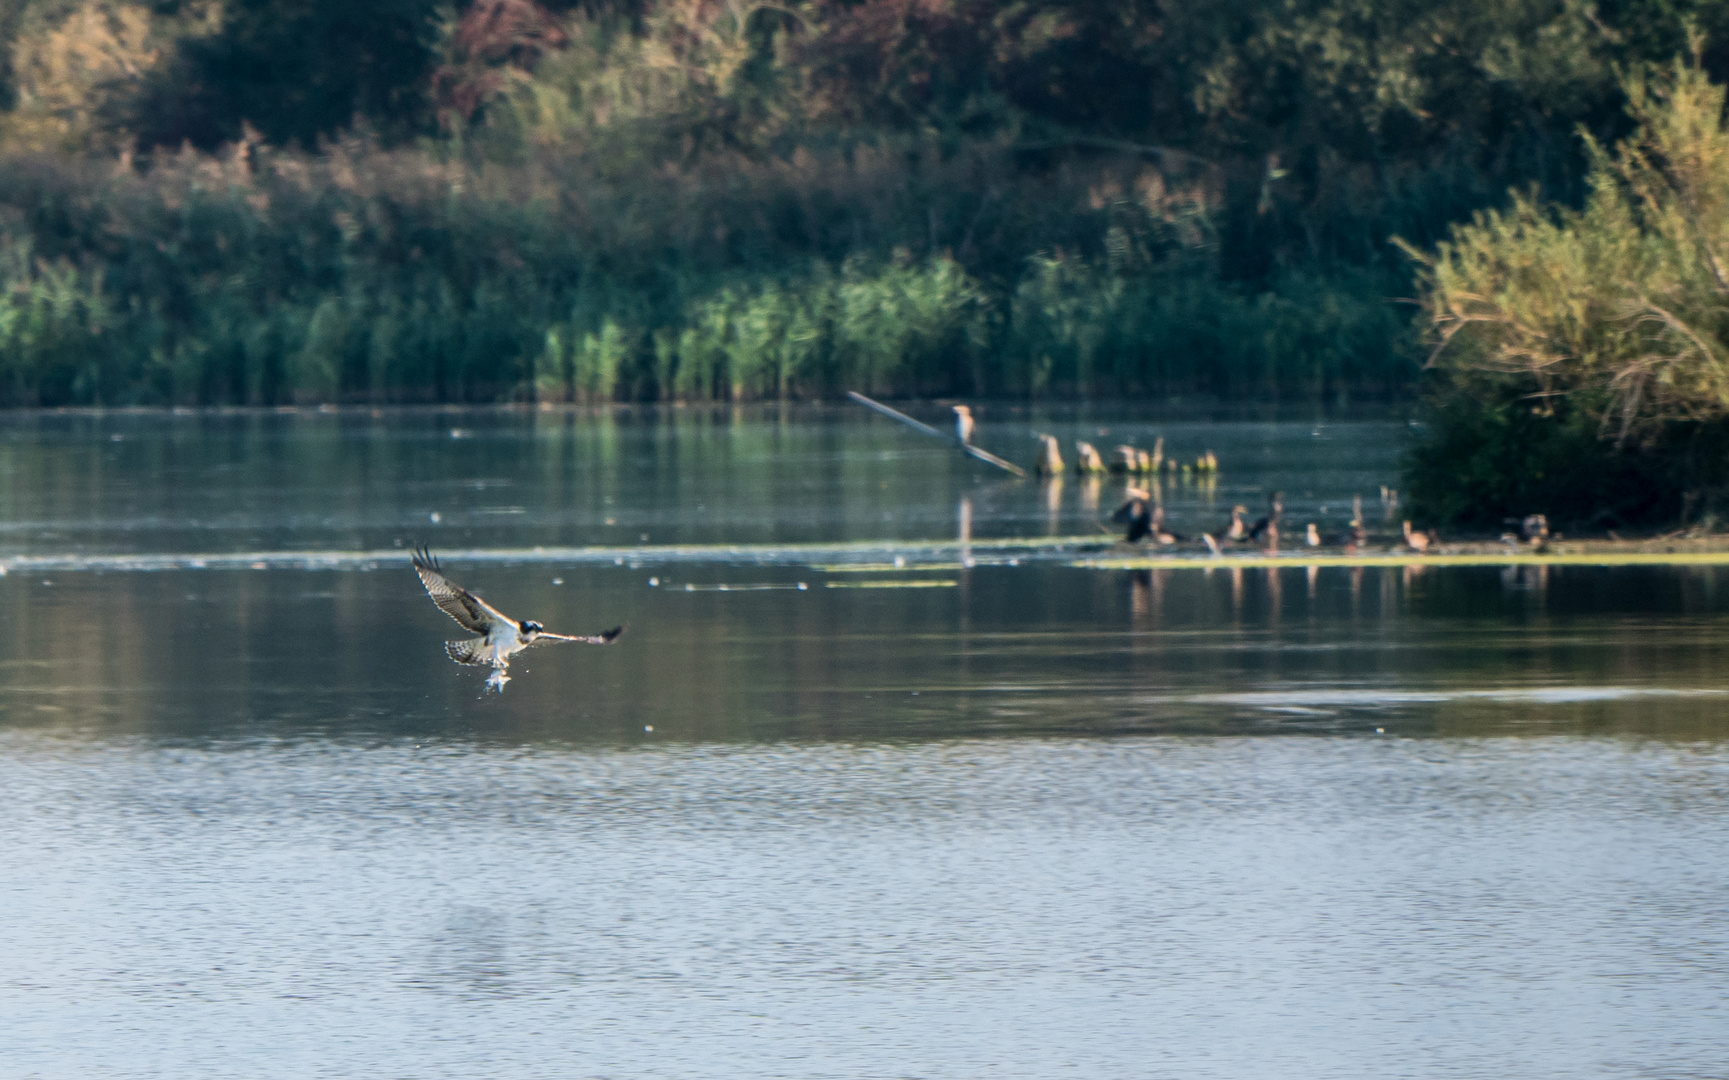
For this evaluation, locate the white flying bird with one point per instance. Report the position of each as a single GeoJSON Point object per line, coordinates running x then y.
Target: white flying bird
{"type": "Point", "coordinates": [501, 636]}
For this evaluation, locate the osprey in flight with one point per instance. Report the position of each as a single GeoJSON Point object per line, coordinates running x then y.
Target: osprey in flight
{"type": "Point", "coordinates": [501, 636]}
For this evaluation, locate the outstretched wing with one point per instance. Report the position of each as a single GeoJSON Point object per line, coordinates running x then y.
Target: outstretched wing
{"type": "Point", "coordinates": [466, 608]}
{"type": "Point", "coordinates": [593, 639]}
{"type": "Point", "coordinates": [467, 652]}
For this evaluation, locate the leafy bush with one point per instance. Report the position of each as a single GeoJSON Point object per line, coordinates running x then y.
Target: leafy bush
{"type": "Point", "coordinates": [1584, 354]}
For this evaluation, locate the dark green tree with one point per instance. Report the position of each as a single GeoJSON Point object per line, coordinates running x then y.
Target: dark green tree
{"type": "Point", "coordinates": [295, 70]}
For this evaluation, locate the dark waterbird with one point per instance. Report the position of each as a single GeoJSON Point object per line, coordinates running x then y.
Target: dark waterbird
{"type": "Point", "coordinates": [1268, 525]}
{"type": "Point", "coordinates": [501, 636]}
{"type": "Point", "coordinates": [1144, 518]}
{"type": "Point", "coordinates": [1533, 528]}
{"type": "Point", "coordinates": [1135, 513]}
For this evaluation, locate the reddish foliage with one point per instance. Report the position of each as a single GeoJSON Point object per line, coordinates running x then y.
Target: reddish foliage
{"type": "Point", "coordinates": [494, 38]}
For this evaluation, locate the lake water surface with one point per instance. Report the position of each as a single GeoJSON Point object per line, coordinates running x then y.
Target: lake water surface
{"type": "Point", "coordinates": [982, 813]}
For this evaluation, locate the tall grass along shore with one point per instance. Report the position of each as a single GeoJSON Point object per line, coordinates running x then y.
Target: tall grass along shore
{"type": "Point", "coordinates": [207, 202]}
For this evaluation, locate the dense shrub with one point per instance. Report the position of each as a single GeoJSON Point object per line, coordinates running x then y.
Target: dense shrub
{"type": "Point", "coordinates": [1583, 355]}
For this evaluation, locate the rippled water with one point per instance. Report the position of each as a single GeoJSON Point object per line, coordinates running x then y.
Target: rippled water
{"type": "Point", "coordinates": [1017, 818]}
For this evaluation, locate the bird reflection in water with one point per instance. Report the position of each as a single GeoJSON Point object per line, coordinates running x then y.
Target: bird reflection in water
{"type": "Point", "coordinates": [964, 532]}
{"type": "Point", "coordinates": [1533, 579]}
{"type": "Point", "coordinates": [1091, 486]}
{"type": "Point", "coordinates": [1053, 493]}
{"type": "Point", "coordinates": [1147, 597]}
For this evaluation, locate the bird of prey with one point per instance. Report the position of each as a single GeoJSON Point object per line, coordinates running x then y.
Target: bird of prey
{"type": "Point", "coordinates": [501, 636]}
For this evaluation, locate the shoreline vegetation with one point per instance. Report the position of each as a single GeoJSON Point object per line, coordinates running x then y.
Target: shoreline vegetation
{"type": "Point", "coordinates": [278, 202]}
{"type": "Point", "coordinates": [1582, 363]}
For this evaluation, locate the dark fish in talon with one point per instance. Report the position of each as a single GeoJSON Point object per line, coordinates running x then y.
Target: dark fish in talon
{"type": "Point", "coordinates": [501, 636]}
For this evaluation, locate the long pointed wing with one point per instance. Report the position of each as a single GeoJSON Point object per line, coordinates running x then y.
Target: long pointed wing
{"type": "Point", "coordinates": [593, 639]}
{"type": "Point", "coordinates": [473, 613]}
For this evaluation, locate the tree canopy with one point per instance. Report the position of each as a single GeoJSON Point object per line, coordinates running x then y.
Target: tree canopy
{"type": "Point", "coordinates": [213, 200]}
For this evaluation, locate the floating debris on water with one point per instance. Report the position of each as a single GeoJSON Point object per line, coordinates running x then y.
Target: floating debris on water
{"type": "Point", "coordinates": [897, 583]}
{"type": "Point", "coordinates": [809, 554]}
{"type": "Point", "coordinates": [760, 586]}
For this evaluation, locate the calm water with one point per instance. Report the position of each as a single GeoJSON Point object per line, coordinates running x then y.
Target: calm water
{"type": "Point", "coordinates": [1016, 819]}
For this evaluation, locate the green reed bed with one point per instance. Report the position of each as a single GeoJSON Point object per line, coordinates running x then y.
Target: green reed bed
{"type": "Point", "coordinates": [364, 274]}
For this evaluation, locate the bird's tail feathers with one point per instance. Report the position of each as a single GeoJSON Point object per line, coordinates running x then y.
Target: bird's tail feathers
{"type": "Point", "coordinates": [467, 652]}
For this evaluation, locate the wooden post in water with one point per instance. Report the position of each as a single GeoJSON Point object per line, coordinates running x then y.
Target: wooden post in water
{"type": "Point", "coordinates": [1050, 457]}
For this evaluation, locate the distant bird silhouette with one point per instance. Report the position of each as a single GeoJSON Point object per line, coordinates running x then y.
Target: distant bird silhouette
{"type": "Point", "coordinates": [1357, 533]}
{"type": "Point", "coordinates": [1419, 541]}
{"type": "Point", "coordinates": [501, 636]}
{"type": "Point", "coordinates": [1237, 530]}
{"type": "Point", "coordinates": [1313, 536]}
{"type": "Point", "coordinates": [964, 425]}
{"type": "Point", "coordinates": [1136, 514]}
{"type": "Point", "coordinates": [1275, 507]}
